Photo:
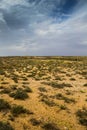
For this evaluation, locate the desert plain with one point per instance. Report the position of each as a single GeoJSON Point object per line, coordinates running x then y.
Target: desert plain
{"type": "Point", "coordinates": [43, 93]}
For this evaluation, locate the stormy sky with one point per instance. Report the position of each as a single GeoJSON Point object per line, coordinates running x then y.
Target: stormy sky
{"type": "Point", "coordinates": [43, 27]}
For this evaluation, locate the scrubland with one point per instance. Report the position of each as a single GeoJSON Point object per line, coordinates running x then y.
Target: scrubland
{"type": "Point", "coordinates": [43, 93]}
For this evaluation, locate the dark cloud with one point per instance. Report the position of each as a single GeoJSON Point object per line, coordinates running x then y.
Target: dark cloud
{"type": "Point", "coordinates": [16, 17]}
{"type": "Point", "coordinates": [19, 16]}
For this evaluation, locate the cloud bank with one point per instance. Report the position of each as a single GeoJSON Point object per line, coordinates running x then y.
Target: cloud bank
{"type": "Point", "coordinates": [43, 27]}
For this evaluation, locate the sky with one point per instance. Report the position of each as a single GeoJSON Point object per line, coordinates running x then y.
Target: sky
{"type": "Point", "coordinates": [43, 27]}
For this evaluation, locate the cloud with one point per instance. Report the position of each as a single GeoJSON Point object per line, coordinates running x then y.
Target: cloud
{"type": "Point", "coordinates": [43, 27]}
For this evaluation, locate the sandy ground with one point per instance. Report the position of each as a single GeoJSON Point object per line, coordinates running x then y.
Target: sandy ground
{"type": "Point", "coordinates": [43, 104]}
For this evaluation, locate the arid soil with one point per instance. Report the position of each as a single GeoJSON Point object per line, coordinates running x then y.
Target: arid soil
{"type": "Point", "coordinates": [43, 93]}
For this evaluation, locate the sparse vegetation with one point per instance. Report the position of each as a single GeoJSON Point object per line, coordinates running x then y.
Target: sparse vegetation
{"type": "Point", "coordinates": [16, 110]}
{"type": "Point", "coordinates": [36, 92]}
{"type": "Point", "coordinates": [4, 105]}
{"type": "Point", "coordinates": [57, 85]}
{"type": "Point", "coordinates": [66, 99]}
{"type": "Point", "coordinates": [48, 102]}
{"type": "Point", "coordinates": [5, 126]}
{"type": "Point", "coordinates": [35, 122]}
{"type": "Point", "coordinates": [5, 91]}
{"type": "Point", "coordinates": [2, 72]}
{"type": "Point", "coordinates": [63, 107]}
{"type": "Point", "coordinates": [27, 89]}
{"type": "Point", "coordinates": [42, 89]}
{"type": "Point", "coordinates": [15, 79]}
{"type": "Point", "coordinates": [50, 126]}
{"type": "Point", "coordinates": [82, 115]}
{"type": "Point", "coordinates": [19, 94]}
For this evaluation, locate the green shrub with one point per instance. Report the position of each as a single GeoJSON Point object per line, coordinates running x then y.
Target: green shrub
{"type": "Point", "coordinates": [84, 73]}
{"type": "Point", "coordinates": [11, 118]}
{"type": "Point", "coordinates": [59, 96]}
{"type": "Point", "coordinates": [19, 94]}
{"type": "Point", "coordinates": [69, 100]}
{"type": "Point", "coordinates": [57, 78]}
{"type": "Point", "coordinates": [42, 89]}
{"type": "Point", "coordinates": [28, 89]}
{"type": "Point", "coordinates": [63, 107]}
{"type": "Point", "coordinates": [2, 72]}
{"type": "Point", "coordinates": [48, 102]}
{"type": "Point", "coordinates": [14, 87]}
{"type": "Point", "coordinates": [5, 126]}
{"type": "Point", "coordinates": [35, 122]}
{"type": "Point", "coordinates": [82, 114]}
{"type": "Point", "coordinates": [50, 126]}
{"type": "Point", "coordinates": [15, 79]}
{"type": "Point", "coordinates": [4, 105]}
{"type": "Point", "coordinates": [17, 110]}
{"type": "Point", "coordinates": [66, 99]}
{"type": "Point", "coordinates": [5, 91]}
{"type": "Point", "coordinates": [57, 85]}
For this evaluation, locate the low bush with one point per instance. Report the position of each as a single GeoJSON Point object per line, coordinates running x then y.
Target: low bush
{"type": "Point", "coordinates": [48, 102]}
{"type": "Point", "coordinates": [66, 99]}
{"type": "Point", "coordinates": [63, 107]}
{"type": "Point", "coordinates": [57, 85]}
{"type": "Point", "coordinates": [4, 105]}
{"type": "Point", "coordinates": [5, 126]}
{"type": "Point", "coordinates": [35, 122]}
{"type": "Point", "coordinates": [18, 109]}
{"type": "Point", "coordinates": [19, 94]}
{"type": "Point", "coordinates": [5, 91]}
{"type": "Point", "coordinates": [82, 115]}
{"type": "Point", "coordinates": [50, 126]}
{"type": "Point", "coordinates": [27, 89]}
{"type": "Point", "coordinates": [42, 89]}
